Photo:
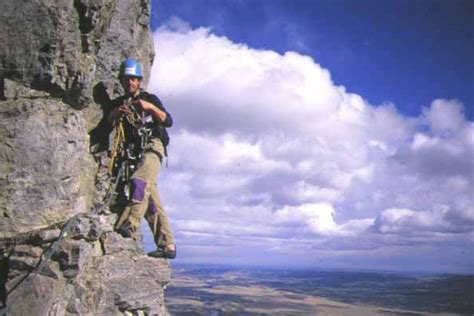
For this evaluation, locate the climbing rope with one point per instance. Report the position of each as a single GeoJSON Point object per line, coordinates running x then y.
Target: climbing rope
{"type": "Point", "coordinates": [119, 142]}
{"type": "Point", "coordinates": [134, 120]}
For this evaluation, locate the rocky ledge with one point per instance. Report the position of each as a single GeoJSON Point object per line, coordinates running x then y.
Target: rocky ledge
{"type": "Point", "coordinates": [85, 268]}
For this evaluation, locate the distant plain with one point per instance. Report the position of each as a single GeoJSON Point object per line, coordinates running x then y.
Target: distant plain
{"type": "Point", "coordinates": [204, 290]}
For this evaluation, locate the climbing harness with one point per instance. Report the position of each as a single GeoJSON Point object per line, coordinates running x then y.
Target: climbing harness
{"type": "Point", "coordinates": [126, 152]}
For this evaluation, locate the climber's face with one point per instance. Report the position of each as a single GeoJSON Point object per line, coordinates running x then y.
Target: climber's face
{"type": "Point", "coordinates": [131, 84]}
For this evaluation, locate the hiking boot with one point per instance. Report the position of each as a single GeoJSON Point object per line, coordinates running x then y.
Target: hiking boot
{"type": "Point", "coordinates": [126, 231]}
{"type": "Point", "coordinates": [163, 252]}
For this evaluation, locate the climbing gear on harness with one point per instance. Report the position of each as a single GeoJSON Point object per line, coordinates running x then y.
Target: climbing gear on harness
{"type": "Point", "coordinates": [128, 148]}
{"type": "Point", "coordinates": [130, 67]}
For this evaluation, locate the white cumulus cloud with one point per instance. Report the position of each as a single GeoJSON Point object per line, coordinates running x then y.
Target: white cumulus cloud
{"type": "Point", "coordinates": [268, 151]}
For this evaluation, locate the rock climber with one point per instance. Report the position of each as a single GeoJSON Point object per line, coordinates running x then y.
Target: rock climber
{"type": "Point", "coordinates": [143, 200]}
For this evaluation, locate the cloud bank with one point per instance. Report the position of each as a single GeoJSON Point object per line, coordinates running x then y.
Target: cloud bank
{"type": "Point", "coordinates": [272, 162]}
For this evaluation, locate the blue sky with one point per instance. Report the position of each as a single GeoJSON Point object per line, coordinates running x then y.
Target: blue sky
{"type": "Point", "coordinates": [406, 52]}
{"type": "Point", "coordinates": [332, 134]}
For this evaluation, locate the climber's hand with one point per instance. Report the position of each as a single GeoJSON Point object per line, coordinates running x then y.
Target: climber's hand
{"type": "Point", "coordinates": [143, 105]}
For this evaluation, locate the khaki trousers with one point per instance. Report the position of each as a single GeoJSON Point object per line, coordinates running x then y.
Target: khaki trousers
{"type": "Point", "coordinates": [144, 201]}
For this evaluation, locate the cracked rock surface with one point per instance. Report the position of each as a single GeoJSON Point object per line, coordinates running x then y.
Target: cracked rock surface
{"type": "Point", "coordinates": [88, 270]}
{"type": "Point", "coordinates": [65, 48]}
{"type": "Point", "coordinates": [59, 255]}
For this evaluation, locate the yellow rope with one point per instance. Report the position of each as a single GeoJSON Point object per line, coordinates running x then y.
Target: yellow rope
{"type": "Point", "coordinates": [119, 139]}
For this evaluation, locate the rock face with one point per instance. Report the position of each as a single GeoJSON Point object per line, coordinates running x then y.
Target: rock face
{"type": "Point", "coordinates": [44, 152]}
{"type": "Point", "coordinates": [87, 270]}
{"type": "Point", "coordinates": [59, 62]}
{"type": "Point", "coordinates": [66, 48]}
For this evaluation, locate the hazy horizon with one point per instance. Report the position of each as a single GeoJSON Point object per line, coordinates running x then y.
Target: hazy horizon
{"type": "Point", "coordinates": [214, 290]}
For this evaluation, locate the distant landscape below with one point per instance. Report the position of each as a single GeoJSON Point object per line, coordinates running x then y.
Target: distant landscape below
{"type": "Point", "coordinates": [223, 290]}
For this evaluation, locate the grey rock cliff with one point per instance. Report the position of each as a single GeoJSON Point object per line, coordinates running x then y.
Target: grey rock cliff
{"type": "Point", "coordinates": [59, 61]}
{"type": "Point", "coordinates": [66, 47]}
